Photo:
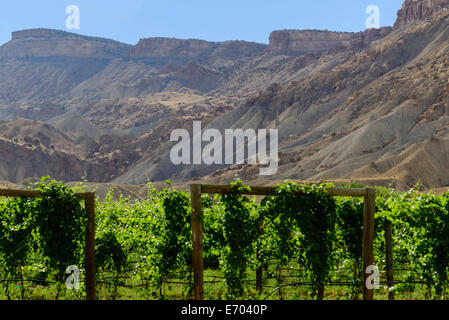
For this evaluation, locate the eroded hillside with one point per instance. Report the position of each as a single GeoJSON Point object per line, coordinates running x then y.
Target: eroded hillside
{"type": "Point", "coordinates": [371, 106]}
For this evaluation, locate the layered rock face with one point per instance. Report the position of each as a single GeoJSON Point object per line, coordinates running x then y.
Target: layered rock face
{"type": "Point", "coordinates": [307, 41]}
{"type": "Point", "coordinates": [51, 43]}
{"type": "Point", "coordinates": [192, 49]}
{"type": "Point", "coordinates": [371, 35]}
{"type": "Point", "coordinates": [165, 47]}
{"type": "Point", "coordinates": [413, 10]}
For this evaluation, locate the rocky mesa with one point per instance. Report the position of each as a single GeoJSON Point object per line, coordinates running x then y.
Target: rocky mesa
{"type": "Point", "coordinates": [308, 41]}
{"type": "Point", "coordinates": [38, 43]}
{"type": "Point", "coordinates": [371, 105]}
{"type": "Point", "coordinates": [185, 50]}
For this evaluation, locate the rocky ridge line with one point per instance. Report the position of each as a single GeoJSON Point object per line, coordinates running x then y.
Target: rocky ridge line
{"type": "Point", "coordinates": [414, 10]}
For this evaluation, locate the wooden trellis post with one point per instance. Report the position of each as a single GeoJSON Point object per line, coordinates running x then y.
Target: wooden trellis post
{"type": "Point", "coordinates": [89, 200]}
{"type": "Point", "coordinates": [369, 207]}
{"type": "Point", "coordinates": [197, 238]}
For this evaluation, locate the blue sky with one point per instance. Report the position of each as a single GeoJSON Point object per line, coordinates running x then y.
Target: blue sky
{"type": "Point", "coordinates": [130, 20]}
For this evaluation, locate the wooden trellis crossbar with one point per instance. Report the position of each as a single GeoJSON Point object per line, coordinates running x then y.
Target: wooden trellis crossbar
{"type": "Point", "coordinates": [89, 200]}
{"type": "Point", "coordinates": [369, 195]}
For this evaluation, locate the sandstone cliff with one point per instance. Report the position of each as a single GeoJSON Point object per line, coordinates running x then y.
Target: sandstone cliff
{"type": "Point", "coordinates": [183, 50]}
{"type": "Point", "coordinates": [169, 47]}
{"type": "Point", "coordinates": [52, 43]}
{"type": "Point", "coordinates": [413, 10]}
{"type": "Point", "coordinates": [307, 41]}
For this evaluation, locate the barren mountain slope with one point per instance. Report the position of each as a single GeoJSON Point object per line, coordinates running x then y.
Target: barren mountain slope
{"type": "Point", "coordinates": [383, 113]}
{"type": "Point", "coordinates": [371, 106]}
{"type": "Point", "coordinates": [102, 96]}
